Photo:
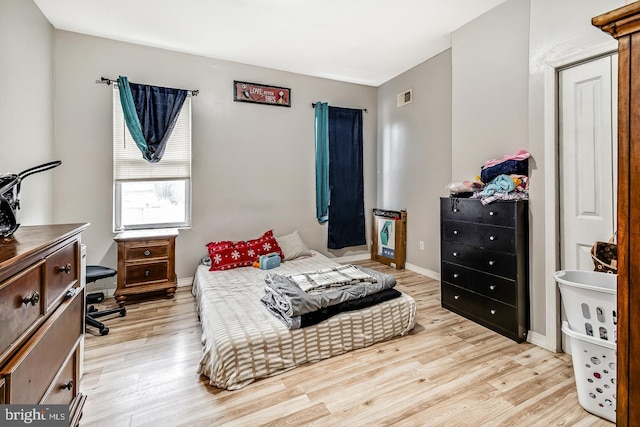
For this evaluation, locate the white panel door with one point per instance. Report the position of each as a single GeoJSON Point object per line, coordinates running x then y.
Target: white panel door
{"type": "Point", "coordinates": [587, 171]}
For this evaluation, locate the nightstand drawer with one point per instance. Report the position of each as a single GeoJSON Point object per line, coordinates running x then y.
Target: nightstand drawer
{"type": "Point", "coordinates": [147, 250]}
{"type": "Point", "coordinates": [498, 263]}
{"type": "Point", "coordinates": [145, 273]}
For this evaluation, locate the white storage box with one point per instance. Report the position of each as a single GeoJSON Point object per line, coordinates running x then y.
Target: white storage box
{"type": "Point", "coordinates": [594, 367]}
{"type": "Point", "coordinates": [590, 302]}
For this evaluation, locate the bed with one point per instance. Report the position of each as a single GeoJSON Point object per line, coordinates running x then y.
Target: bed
{"type": "Point", "coordinates": [243, 341]}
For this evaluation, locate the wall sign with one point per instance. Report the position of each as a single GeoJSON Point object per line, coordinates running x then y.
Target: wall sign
{"type": "Point", "coordinates": [261, 94]}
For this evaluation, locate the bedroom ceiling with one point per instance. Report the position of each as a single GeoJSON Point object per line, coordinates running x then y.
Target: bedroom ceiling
{"type": "Point", "coordinates": [357, 41]}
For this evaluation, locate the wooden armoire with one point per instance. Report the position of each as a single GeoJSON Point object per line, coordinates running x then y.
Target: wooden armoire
{"type": "Point", "coordinates": [624, 25]}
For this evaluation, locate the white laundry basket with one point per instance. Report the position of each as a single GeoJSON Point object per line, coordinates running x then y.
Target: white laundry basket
{"type": "Point", "coordinates": [590, 302]}
{"type": "Point", "coordinates": [594, 367]}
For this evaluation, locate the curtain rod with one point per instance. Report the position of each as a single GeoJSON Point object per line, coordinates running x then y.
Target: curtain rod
{"type": "Point", "coordinates": [194, 92]}
{"type": "Point", "coordinates": [363, 109]}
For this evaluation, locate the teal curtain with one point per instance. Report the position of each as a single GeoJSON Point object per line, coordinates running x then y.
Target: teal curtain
{"type": "Point", "coordinates": [322, 161]}
{"type": "Point", "coordinates": [130, 114]}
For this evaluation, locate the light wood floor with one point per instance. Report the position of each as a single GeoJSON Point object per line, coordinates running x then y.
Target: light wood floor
{"type": "Point", "coordinates": [447, 372]}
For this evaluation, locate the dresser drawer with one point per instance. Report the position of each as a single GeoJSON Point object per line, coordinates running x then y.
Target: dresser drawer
{"type": "Point", "coordinates": [65, 386]}
{"type": "Point", "coordinates": [146, 250]}
{"type": "Point", "coordinates": [493, 237]}
{"type": "Point", "coordinates": [491, 286]}
{"type": "Point", "coordinates": [21, 305]}
{"type": "Point", "coordinates": [62, 272]}
{"type": "Point", "coordinates": [472, 210]}
{"type": "Point", "coordinates": [498, 263]}
{"type": "Point", "coordinates": [30, 374]}
{"type": "Point", "coordinates": [144, 273]}
{"type": "Point", "coordinates": [479, 308]}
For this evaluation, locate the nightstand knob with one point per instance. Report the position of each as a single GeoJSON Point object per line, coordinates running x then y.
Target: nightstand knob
{"type": "Point", "coordinates": [492, 262]}
{"type": "Point", "coordinates": [492, 312]}
{"type": "Point", "coordinates": [68, 385]}
{"type": "Point", "coordinates": [492, 238]}
{"type": "Point", "coordinates": [66, 269]}
{"type": "Point", "coordinates": [146, 273]}
{"type": "Point", "coordinates": [147, 252]}
{"type": "Point", "coordinates": [455, 275]}
{"type": "Point", "coordinates": [455, 254]}
{"type": "Point", "coordinates": [455, 232]}
{"type": "Point", "coordinates": [492, 213]}
{"type": "Point", "coordinates": [456, 297]}
{"type": "Point", "coordinates": [492, 287]}
{"type": "Point", "coordinates": [33, 299]}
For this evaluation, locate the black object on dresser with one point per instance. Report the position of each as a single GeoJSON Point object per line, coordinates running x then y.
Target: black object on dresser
{"type": "Point", "coordinates": [485, 263]}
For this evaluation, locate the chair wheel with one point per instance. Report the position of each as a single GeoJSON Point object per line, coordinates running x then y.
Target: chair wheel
{"type": "Point", "coordinates": [123, 312]}
{"type": "Point", "coordinates": [104, 331]}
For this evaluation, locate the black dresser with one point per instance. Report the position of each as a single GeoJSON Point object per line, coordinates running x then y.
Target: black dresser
{"type": "Point", "coordinates": [485, 263]}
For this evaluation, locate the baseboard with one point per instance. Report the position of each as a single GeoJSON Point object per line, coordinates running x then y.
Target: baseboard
{"type": "Point", "coordinates": [108, 292]}
{"type": "Point", "coordinates": [424, 271]}
{"type": "Point", "coordinates": [352, 258]}
{"type": "Point", "coordinates": [185, 281]}
{"type": "Point", "coordinates": [537, 339]}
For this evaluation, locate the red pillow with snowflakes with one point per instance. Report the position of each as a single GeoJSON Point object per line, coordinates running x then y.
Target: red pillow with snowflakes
{"type": "Point", "coordinates": [226, 255]}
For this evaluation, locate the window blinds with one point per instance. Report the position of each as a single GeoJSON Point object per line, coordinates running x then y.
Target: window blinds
{"type": "Point", "coordinates": [128, 162]}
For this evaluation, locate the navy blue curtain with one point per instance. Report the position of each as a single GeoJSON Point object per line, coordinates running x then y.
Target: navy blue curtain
{"type": "Point", "coordinates": [346, 181]}
{"type": "Point", "coordinates": [157, 109]}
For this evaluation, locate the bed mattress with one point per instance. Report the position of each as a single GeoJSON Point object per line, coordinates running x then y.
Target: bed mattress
{"type": "Point", "coordinates": [243, 342]}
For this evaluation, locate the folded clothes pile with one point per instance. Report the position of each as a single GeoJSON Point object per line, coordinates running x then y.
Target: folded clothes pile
{"type": "Point", "coordinates": [500, 179]}
{"type": "Point", "coordinates": [304, 299]}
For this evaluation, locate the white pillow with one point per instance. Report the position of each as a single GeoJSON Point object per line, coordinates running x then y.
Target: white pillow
{"type": "Point", "coordinates": [292, 246]}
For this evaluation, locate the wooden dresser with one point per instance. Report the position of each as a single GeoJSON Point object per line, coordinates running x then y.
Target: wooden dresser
{"type": "Point", "coordinates": [42, 317]}
{"type": "Point", "coordinates": [484, 269]}
{"type": "Point", "coordinates": [146, 263]}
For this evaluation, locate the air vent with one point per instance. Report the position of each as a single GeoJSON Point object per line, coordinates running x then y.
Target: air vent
{"type": "Point", "coordinates": [404, 98]}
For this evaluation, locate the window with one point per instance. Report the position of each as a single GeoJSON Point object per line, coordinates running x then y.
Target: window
{"type": "Point", "coordinates": [151, 195]}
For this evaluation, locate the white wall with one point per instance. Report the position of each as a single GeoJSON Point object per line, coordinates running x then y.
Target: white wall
{"type": "Point", "coordinates": [253, 165]}
{"type": "Point", "coordinates": [490, 83]}
{"type": "Point", "coordinates": [414, 153]}
{"type": "Point", "coordinates": [26, 104]}
{"type": "Point", "coordinates": [558, 29]}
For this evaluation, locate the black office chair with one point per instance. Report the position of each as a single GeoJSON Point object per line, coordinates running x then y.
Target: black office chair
{"type": "Point", "coordinates": [94, 273]}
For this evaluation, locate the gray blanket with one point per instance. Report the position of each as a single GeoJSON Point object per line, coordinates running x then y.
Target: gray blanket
{"type": "Point", "coordinates": [285, 294]}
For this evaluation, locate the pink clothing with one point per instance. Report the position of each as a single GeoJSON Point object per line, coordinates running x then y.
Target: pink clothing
{"type": "Point", "coordinates": [520, 155]}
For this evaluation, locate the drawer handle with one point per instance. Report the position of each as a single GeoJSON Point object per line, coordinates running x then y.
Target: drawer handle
{"type": "Point", "coordinates": [456, 297]}
{"type": "Point", "coordinates": [146, 273]}
{"type": "Point", "coordinates": [66, 269]}
{"type": "Point", "coordinates": [492, 238]}
{"type": "Point", "coordinates": [455, 210]}
{"type": "Point", "coordinates": [492, 287]}
{"type": "Point", "coordinates": [68, 385]}
{"type": "Point", "coordinates": [492, 262]}
{"type": "Point", "coordinates": [493, 312]}
{"type": "Point", "coordinates": [492, 213]}
{"type": "Point", "coordinates": [147, 252]}
{"type": "Point", "coordinates": [455, 254]}
{"type": "Point", "coordinates": [455, 275]}
{"type": "Point", "coordinates": [455, 232]}
{"type": "Point", "coordinates": [33, 299]}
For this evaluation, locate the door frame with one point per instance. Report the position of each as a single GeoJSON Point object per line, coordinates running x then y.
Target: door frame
{"type": "Point", "coordinates": [553, 336]}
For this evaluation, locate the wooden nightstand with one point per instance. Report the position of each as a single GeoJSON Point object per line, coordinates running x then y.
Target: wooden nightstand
{"type": "Point", "coordinates": [146, 263]}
